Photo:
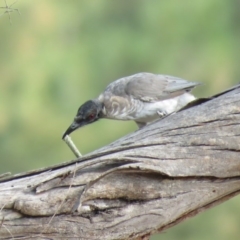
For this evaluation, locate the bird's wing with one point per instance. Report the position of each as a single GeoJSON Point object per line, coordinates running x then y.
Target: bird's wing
{"type": "Point", "coordinates": [150, 87]}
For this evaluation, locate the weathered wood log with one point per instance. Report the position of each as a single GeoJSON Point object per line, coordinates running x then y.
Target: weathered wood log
{"type": "Point", "coordinates": [143, 183]}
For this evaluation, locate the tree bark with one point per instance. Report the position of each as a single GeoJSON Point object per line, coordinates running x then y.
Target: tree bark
{"type": "Point", "coordinates": [141, 184]}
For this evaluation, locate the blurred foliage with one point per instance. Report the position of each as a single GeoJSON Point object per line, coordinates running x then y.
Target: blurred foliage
{"type": "Point", "coordinates": [58, 54]}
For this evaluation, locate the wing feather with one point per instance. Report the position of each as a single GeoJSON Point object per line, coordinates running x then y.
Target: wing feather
{"type": "Point", "coordinates": [150, 87]}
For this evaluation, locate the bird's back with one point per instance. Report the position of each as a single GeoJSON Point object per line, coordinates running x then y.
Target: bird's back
{"type": "Point", "coordinates": [155, 86]}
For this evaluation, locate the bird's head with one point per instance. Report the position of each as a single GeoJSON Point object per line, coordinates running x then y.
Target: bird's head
{"type": "Point", "coordinates": [89, 112]}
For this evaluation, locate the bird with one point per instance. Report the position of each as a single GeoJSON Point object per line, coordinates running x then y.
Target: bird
{"type": "Point", "coordinates": [142, 97]}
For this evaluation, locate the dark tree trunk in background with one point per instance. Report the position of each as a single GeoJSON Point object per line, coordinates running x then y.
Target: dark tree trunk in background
{"type": "Point", "coordinates": [141, 184]}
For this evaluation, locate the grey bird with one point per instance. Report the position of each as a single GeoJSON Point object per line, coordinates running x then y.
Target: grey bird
{"type": "Point", "coordinates": [143, 98]}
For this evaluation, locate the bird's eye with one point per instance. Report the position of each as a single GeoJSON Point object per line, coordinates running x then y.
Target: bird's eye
{"type": "Point", "coordinates": [91, 116]}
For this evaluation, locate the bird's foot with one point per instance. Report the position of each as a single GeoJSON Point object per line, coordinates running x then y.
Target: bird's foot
{"type": "Point", "coordinates": [162, 113]}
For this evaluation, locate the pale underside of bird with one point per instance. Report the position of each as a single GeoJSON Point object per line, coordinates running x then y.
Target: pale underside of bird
{"type": "Point", "coordinates": [143, 98]}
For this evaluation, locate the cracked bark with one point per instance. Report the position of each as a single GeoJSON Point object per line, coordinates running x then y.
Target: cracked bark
{"type": "Point", "coordinates": [141, 184]}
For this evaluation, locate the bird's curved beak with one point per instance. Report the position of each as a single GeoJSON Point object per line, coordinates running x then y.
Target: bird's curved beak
{"type": "Point", "coordinates": [71, 129]}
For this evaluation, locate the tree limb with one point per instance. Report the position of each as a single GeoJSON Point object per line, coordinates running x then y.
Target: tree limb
{"type": "Point", "coordinates": [141, 184]}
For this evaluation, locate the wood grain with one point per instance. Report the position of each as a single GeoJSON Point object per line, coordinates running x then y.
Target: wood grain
{"type": "Point", "coordinates": [141, 184]}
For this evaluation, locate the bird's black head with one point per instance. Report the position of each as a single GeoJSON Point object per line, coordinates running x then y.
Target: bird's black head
{"type": "Point", "coordinates": [89, 112]}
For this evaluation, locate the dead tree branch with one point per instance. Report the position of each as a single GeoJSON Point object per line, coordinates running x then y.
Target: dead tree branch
{"type": "Point", "coordinates": [143, 183]}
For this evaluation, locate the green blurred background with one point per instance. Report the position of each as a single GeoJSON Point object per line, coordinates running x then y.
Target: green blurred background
{"type": "Point", "coordinates": [58, 54]}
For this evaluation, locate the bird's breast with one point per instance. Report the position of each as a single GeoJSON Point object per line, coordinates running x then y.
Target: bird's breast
{"type": "Point", "coordinates": [121, 108]}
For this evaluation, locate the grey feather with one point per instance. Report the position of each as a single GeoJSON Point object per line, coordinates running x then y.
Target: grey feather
{"type": "Point", "coordinates": [152, 87]}
{"type": "Point", "coordinates": [141, 97]}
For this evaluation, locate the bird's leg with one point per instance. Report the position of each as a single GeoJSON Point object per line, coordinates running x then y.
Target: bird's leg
{"type": "Point", "coordinates": [140, 124]}
{"type": "Point", "coordinates": [162, 113]}
{"type": "Point", "coordinates": [166, 115]}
